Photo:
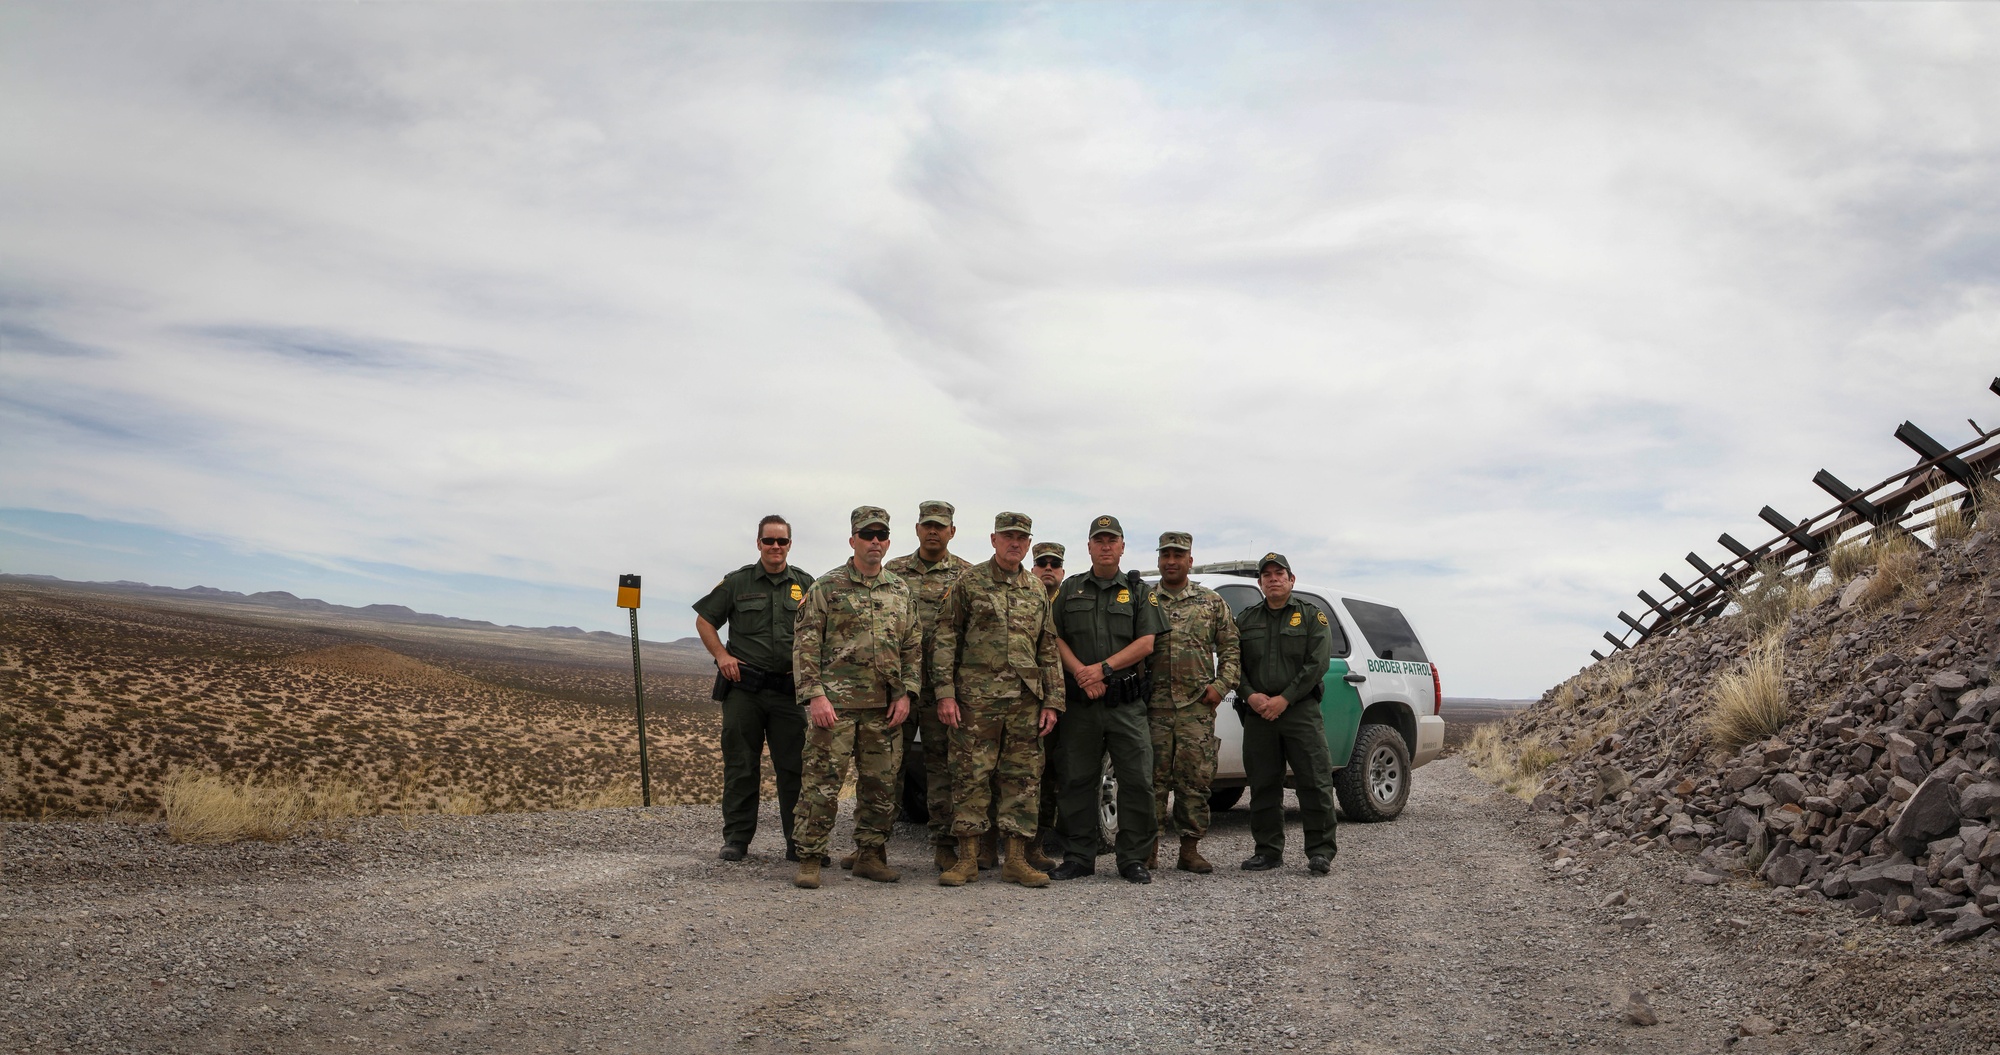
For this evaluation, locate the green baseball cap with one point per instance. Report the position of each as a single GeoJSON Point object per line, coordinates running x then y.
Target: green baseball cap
{"type": "Point", "coordinates": [1274, 558]}
{"type": "Point", "coordinates": [863, 516]}
{"type": "Point", "coordinates": [1049, 549]}
{"type": "Point", "coordinates": [935, 513]}
{"type": "Point", "coordinates": [1014, 522]}
{"type": "Point", "coordinates": [1106, 525]}
{"type": "Point", "coordinates": [1177, 540]}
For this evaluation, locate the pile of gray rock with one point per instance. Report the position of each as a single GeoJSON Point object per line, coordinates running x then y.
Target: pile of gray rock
{"type": "Point", "coordinates": [1881, 790]}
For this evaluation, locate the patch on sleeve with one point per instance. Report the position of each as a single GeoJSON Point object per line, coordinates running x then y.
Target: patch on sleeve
{"type": "Point", "coordinates": [1322, 618]}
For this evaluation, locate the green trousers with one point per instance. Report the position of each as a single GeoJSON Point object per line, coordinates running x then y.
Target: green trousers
{"type": "Point", "coordinates": [937, 766]}
{"type": "Point", "coordinates": [749, 721]}
{"type": "Point", "coordinates": [1297, 738]}
{"type": "Point", "coordinates": [1090, 730]}
{"type": "Point", "coordinates": [1052, 771]}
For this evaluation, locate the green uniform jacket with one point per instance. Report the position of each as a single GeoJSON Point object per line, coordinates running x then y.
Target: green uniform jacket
{"type": "Point", "coordinates": [1285, 652]}
{"type": "Point", "coordinates": [1200, 652]}
{"type": "Point", "coordinates": [928, 585]}
{"type": "Point", "coordinates": [1097, 617]}
{"type": "Point", "coordinates": [857, 642]}
{"type": "Point", "coordinates": [995, 638]}
{"type": "Point", "coordinates": [759, 609]}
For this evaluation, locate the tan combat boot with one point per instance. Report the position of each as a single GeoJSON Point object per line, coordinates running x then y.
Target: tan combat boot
{"type": "Point", "coordinates": [848, 861]}
{"type": "Point", "coordinates": [872, 862]}
{"type": "Point", "coordinates": [1038, 858]}
{"type": "Point", "coordinates": [947, 854]}
{"type": "Point", "coordinates": [1153, 857]}
{"type": "Point", "coordinates": [808, 877]}
{"type": "Point", "coordinates": [1191, 858]}
{"type": "Point", "coordinates": [1018, 869]}
{"type": "Point", "coordinates": [966, 869]}
{"type": "Point", "coordinates": [989, 849]}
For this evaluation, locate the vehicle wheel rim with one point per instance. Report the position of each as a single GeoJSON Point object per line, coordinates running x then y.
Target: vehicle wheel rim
{"type": "Point", "coordinates": [1385, 775]}
{"type": "Point", "coordinates": [1107, 799]}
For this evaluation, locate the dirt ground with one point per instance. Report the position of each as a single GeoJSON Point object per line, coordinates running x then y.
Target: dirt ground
{"type": "Point", "coordinates": [618, 930]}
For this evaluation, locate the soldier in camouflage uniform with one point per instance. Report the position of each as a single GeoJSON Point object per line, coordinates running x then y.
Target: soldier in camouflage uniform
{"type": "Point", "coordinates": [856, 655]}
{"type": "Point", "coordinates": [930, 571]}
{"type": "Point", "coordinates": [1048, 837]}
{"type": "Point", "coordinates": [1193, 666]}
{"type": "Point", "coordinates": [994, 657]}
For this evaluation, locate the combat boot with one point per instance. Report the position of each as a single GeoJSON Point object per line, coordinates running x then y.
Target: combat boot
{"type": "Point", "coordinates": [1018, 869]}
{"type": "Point", "coordinates": [808, 877]}
{"type": "Point", "coordinates": [966, 868]}
{"type": "Point", "coordinates": [989, 849]}
{"type": "Point", "coordinates": [1153, 857]}
{"type": "Point", "coordinates": [872, 862]}
{"type": "Point", "coordinates": [848, 861]}
{"type": "Point", "coordinates": [1191, 858]}
{"type": "Point", "coordinates": [1038, 858]}
{"type": "Point", "coordinates": [947, 854]}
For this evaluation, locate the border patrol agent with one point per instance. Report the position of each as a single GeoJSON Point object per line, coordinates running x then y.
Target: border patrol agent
{"type": "Point", "coordinates": [858, 652]}
{"type": "Point", "coordinates": [930, 572]}
{"type": "Point", "coordinates": [1193, 667]}
{"type": "Point", "coordinates": [1047, 840]}
{"type": "Point", "coordinates": [1287, 647]}
{"type": "Point", "coordinates": [1106, 620]}
{"type": "Point", "coordinates": [754, 683]}
{"type": "Point", "coordinates": [995, 660]}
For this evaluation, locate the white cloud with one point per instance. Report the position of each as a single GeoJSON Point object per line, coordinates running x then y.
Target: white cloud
{"type": "Point", "coordinates": [1491, 311]}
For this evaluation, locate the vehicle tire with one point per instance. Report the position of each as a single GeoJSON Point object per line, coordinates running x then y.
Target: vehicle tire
{"type": "Point", "coordinates": [916, 789]}
{"type": "Point", "coordinates": [1107, 810]}
{"type": "Point", "coordinates": [1375, 783]}
{"type": "Point", "coordinates": [1221, 799]}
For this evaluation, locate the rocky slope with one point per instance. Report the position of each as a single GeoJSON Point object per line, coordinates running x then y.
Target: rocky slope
{"type": "Point", "coordinates": [1880, 789]}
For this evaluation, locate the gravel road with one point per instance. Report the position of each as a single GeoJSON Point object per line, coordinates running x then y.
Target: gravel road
{"type": "Point", "coordinates": [618, 930]}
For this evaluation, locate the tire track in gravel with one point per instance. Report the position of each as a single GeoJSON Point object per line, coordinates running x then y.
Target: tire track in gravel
{"type": "Point", "coordinates": [618, 931]}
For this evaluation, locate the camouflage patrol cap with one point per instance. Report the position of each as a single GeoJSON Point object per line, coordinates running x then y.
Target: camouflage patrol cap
{"type": "Point", "coordinates": [1020, 522]}
{"type": "Point", "coordinates": [935, 513]}
{"type": "Point", "coordinates": [1049, 549]}
{"type": "Point", "coordinates": [863, 516]}
{"type": "Point", "coordinates": [1274, 558]}
{"type": "Point", "coordinates": [1177, 540]}
{"type": "Point", "coordinates": [1106, 525]}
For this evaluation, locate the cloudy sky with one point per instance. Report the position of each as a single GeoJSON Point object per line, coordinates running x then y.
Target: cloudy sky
{"type": "Point", "coordinates": [1490, 310]}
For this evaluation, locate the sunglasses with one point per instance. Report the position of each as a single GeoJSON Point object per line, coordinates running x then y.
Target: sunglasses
{"type": "Point", "coordinates": [1048, 562]}
{"type": "Point", "coordinates": [775, 541]}
{"type": "Point", "coordinates": [873, 534]}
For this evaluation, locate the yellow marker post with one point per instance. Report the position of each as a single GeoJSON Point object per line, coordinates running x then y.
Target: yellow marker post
{"type": "Point", "coordinates": [628, 599]}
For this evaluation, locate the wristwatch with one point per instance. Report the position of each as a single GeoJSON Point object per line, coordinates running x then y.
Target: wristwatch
{"type": "Point", "coordinates": [1108, 671]}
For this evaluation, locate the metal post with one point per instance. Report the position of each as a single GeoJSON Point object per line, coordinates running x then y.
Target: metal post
{"type": "Point", "coordinates": [639, 690]}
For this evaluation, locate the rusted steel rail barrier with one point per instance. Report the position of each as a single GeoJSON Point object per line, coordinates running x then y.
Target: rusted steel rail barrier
{"type": "Point", "coordinates": [1945, 476]}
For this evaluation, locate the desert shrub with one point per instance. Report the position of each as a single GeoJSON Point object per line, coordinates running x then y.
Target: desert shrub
{"type": "Point", "coordinates": [1516, 768]}
{"type": "Point", "coordinates": [616, 795]}
{"type": "Point", "coordinates": [1896, 568]}
{"type": "Point", "coordinates": [1771, 598]}
{"type": "Point", "coordinates": [206, 808]}
{"type": "Point", "coordinates": [1750, 704]}
{"type": "Point", "coordinates": [1986, 501]}
{"type": "Point", "coordinates": [1850, 558]}
{"type": "Point", "coordinates": [1950, 523]}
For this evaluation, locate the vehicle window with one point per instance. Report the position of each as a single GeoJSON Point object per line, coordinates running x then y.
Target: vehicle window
{"type": "Point", "coordinates": [1241, 597]}
{"type": "Point", "coordinates": [1388, 633]}
{"type": "Point", "coordinates": [1340, 648]}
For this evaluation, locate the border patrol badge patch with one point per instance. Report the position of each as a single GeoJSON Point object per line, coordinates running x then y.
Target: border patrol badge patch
{"type": "Point", "coordinates": [799, 594]}
{"type": "Point", "coordinates": [1153, 599]}
{"type": "Point", "coordinates": [1124, 597]}
{"type": "Point", "coordinates": [1297, 618]}
{"type": "Point", "coordinates": [1322, 618]}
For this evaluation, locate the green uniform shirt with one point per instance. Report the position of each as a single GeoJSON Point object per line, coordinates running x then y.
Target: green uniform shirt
{"type": "Point", "coordinates": [1286, 651]}
{"type": "Point", "coordinates": [928, 583]}
{"type": "Point", "coordinates": [1097, 617]}
{"type": "Point", "coordinates": [1200, 653]}
{"type": "Point", "coordinates": [759, 609]}
{"type": "Point", "coordinates": [857, 642]}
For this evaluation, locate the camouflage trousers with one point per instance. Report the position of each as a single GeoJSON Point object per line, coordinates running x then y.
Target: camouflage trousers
{"type": "Point", "coordinates": [996, 766]}
{"type": "Point", "coordinates": [864, 737]}
{"type": "Point", "coordinates": [937, 766]}
{"type": "Point", "coordinates": [1184, 747]}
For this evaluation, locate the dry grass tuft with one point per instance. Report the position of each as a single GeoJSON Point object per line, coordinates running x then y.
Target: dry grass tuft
{"type": "Point", "coordinates": [1850, 558]}
{"type": "Point", "coordinates": [1950, 523]}
{"type": "Point", "coordinates": [615, 796]}
{"type": "Point", "coordinates": [1516, 769]}
{"type": "Point", "coordinates": [207, 808]}
{"type": "Point", "coordinates": [1751, 703]}
{"type": "Point", "coordinates": [1896, 570]}
{"type": "Point", "coordinates": [1986, 500]}
{"type": "Point", "coordinates": [1769, 601]}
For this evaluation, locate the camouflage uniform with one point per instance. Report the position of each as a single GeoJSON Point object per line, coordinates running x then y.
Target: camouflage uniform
{"type": "Point", "coordinates": [995, 653]}
{"type": "Point", "coordinates": [857, 644]}
{"type": "Point", "coordinates": [928, 583]}
{"type": "Point", "coordinates": [1198, 654]}
{"type": "Point", "coordinates": [1052, 743]}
